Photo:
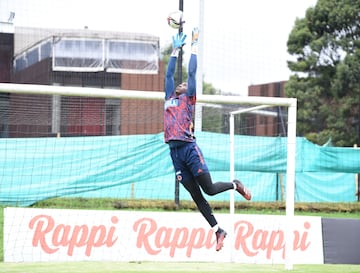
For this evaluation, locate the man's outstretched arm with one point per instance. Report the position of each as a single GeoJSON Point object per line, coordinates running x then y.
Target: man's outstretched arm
{"type": "Point", "coordinates": [193, 63]}
{"type": "Point", "coordinates": [178, 42]}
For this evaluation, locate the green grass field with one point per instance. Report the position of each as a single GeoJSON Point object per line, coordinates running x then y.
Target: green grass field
{"type": "Point", "coordinates": [332, 210]}
{"type": "Point", "coordinates": [152, 267]}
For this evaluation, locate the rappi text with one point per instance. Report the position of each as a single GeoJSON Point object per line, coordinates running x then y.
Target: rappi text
{"type": "Point", "coordinates": [154, 239]}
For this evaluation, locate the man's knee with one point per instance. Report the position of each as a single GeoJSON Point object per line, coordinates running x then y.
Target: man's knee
{"type": "Point", "coordinates": [206, 184]}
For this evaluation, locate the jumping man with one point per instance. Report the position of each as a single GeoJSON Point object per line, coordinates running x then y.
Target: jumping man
{"type": "Point", "coordinates": [188, 161]}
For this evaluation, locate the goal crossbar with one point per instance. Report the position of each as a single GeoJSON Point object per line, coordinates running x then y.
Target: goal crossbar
{"type": "Point", "coordinates": [135, 94]}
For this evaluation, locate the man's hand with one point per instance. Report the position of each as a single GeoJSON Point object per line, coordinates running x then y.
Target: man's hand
{"type": "Point", "coordinates": [179, 40]}
{"type": "Point", "coordinates": [195, 36]}
{"type": "Point", "coordinates": [195, 41]}
{"type": "Point", "coordinates": [178, 43]}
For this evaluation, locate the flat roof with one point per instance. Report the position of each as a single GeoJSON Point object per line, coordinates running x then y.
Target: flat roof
{"type": "Point", "coordinates": [26, 37]}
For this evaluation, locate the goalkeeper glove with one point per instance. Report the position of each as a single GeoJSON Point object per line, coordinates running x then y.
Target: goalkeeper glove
{"type": "Point", "coordinates": [178, 43]}
{"type": "Point", "coordinates": [195, 41]}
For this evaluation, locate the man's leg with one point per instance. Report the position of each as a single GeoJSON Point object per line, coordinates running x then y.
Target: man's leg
{"type": "Point", "coordinates": [193, 188]}
{"type": "Point", "coordinates": [211, 188]}
{"type": "Point", "coordinates": [215, 188]}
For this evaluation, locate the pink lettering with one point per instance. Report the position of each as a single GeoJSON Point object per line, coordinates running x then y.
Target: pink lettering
{"type": "Point", "coordinates": [251, 241]}
{"type": "Point", "coordinates": [243, 233]}
{"type": "Point", "coordinates": [146, 227]}
{"type": "Point", "coordinates": [154, 238]}
{"type": "Point", "coordinates": [51, 236]}
{"type": "Point", "coordinates": [41, 231]}
{"type": "Point", "coordinates": [70, 237]}
{"type": "Point", "coordinates": [300, 241]}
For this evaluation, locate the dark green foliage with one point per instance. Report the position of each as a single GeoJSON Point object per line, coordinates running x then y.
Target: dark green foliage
{"type": "Point", "coordinates": [326, 78]}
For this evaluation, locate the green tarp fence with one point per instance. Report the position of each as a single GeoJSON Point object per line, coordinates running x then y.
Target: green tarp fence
{"type": "Point", "coordinates": [139, 166]}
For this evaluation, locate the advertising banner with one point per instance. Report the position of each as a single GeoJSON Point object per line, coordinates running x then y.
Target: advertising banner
{"type": "Point", "coordinates": [32, 235]}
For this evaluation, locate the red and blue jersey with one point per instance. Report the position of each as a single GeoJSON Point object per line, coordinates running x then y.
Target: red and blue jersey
{"type": "Point", "coordinates": [179, 109]}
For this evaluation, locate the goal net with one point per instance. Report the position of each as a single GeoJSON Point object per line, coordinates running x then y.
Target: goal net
{"type": "Point", "coordinates": [103, 143]}
{"type": "Point", "coordinates": [110, 143]}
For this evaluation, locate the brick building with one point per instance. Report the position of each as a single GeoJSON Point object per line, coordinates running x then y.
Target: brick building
{"type": "Point", "coordinates": [81, 58]}
{"type": "Point", "coordinates": [272, 121]}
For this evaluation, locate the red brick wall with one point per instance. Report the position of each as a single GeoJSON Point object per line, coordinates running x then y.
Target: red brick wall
{"type": "Point", "coordinates": [136, 116]}
{"type": "Point", "coordinates": [267, 125]}
{"type": "Point", "coordinates": [142, 116]}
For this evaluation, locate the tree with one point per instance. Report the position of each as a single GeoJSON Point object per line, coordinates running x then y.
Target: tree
{"type": "Point", "coordinates": [326, 72]}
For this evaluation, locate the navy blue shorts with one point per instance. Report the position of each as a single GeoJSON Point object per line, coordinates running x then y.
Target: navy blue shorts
{"type": "Point", "coordinates": [188, 161]}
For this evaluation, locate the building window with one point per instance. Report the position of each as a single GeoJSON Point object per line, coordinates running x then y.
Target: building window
{"type": "Point", "coordinates": [135, 55]}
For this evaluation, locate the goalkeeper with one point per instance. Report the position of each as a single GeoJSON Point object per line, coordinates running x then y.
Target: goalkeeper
{"type": "Point", "coordinates": [188, 161]}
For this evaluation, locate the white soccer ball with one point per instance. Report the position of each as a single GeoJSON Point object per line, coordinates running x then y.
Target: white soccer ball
{"type": "Point", "coordinates": [175, 19]}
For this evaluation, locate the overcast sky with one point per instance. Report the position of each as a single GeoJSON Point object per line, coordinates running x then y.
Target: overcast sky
{"type": "Point", "coordinates": [244, 40]}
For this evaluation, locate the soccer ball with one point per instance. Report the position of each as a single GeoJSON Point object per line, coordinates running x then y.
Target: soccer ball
{"type": "Point", "coordinates": [175, 19]}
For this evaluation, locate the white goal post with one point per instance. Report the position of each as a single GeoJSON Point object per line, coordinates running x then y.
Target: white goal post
{"type": "Point", "coordinates": [256, 102]}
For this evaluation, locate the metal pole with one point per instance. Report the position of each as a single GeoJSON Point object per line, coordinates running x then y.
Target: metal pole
{"type": "Point", "coordinates": [358, 140]}
{"type": "Point", "coordinates": [179, 64]}
{"type": "Point", "coordinates": [358, 144]}
{"type": "Point", "coordinates": [290, 184]}
{"type": "Point", "coordinates": [200, 60]}
{"type": "Point", "coordinates": [179, 80]}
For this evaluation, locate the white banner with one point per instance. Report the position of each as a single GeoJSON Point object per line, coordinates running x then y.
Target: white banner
{"type": "Point", "coordinates": [32, 235]}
